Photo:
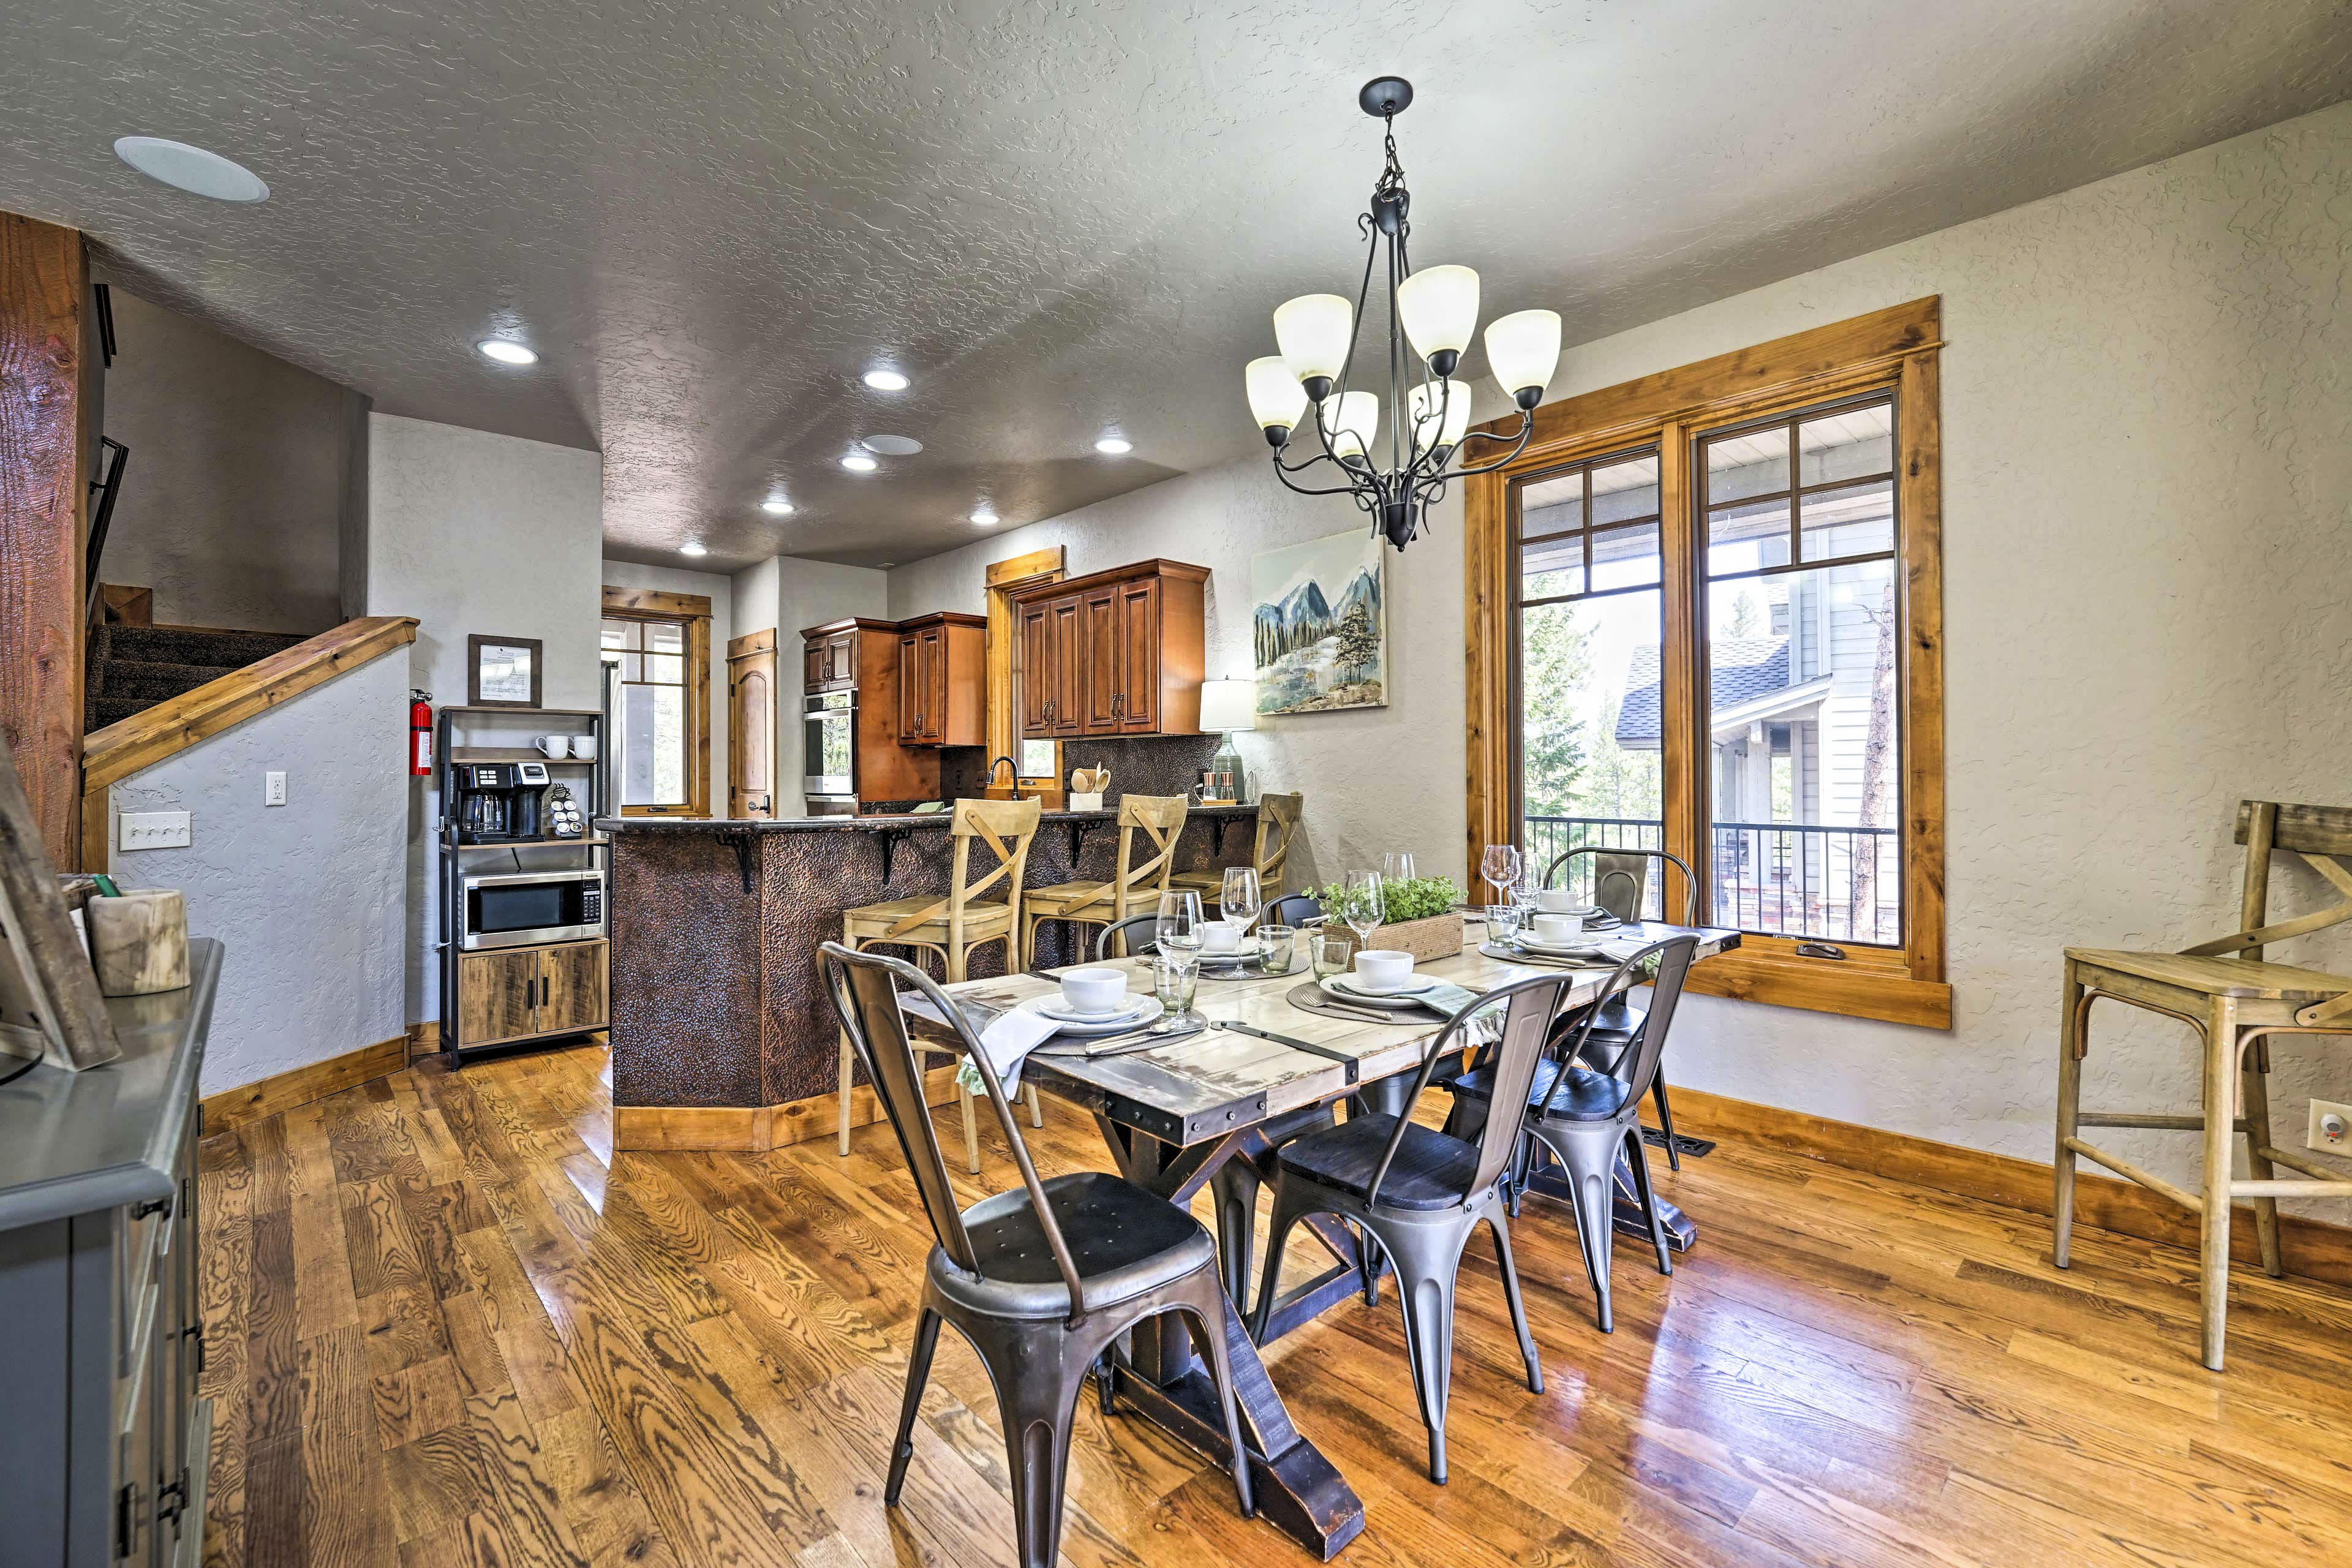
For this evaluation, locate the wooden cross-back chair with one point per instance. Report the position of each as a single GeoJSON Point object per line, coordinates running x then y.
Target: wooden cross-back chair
{"type": "Point", "coordinates": [2236, 1001]}
{"type": "Point", "coordinates": [952, 925]}
{"type": "Point", "coordinates": [1277, 830]}
{"type": "Point", "coordinates": [1137, 885]}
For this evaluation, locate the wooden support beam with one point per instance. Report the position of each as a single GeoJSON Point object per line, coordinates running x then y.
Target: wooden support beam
{"type": "Point", "coordinates": [43, 439]}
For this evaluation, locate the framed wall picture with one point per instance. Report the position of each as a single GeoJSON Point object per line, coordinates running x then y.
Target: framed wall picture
{"type": "Point", "coordinates": [502, 673]}
{"type": "Point", "coordinates": [1320, 621]}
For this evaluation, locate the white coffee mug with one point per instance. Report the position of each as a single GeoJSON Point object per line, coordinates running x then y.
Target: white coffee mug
{"type": "Point", "coordinates": [1556, 900]}
{"type": "Point", "coordinates": [555, 745]}
{"type": "Point", "coordinates": [1094, 990]}
{"type": "Point", "coordinates": [1558, 928]}
{"type": "Point", "coordinates": [584, 747]}
{"type": "Point", "coordinates": [1221, 937]}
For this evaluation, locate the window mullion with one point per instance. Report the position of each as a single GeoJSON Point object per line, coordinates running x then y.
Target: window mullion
{"type": "Point", "coordinates": [1681, 571]}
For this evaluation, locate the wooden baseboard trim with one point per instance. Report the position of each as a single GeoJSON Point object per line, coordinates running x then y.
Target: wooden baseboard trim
{"type": "Point", "coordinates": [425, 1038]}
{"type": "Point", "coordinates": [2312, 1248]}
{"type": "Point", "coordinates": [755, 1129]}
{"type": "Point", "coordinates": [265, 1098]}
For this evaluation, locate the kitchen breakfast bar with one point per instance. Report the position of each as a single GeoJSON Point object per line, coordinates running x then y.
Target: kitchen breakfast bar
{"type": "Point", "coordinates": [721, 1035]}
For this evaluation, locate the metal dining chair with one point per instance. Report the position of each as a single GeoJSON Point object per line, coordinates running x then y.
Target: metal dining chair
{"type": "Point", "coordinates": [1040, 1280]}
{"type": "Point", "coordinates": [1420, 1194]}
{"type": "Point", "coordinates": [1295, 910]}
{"type": "Point", "coordinates": [1585, 1118]}
{"type": "Point", "coordinates": [1141, 932]}
{"type": "Point", "coordinates": [1620, 878]}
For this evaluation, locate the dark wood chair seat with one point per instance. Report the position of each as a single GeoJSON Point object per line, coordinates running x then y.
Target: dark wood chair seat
{"type": "Point", "coordinates": [1125, 1242]}
{"type": "Point", "coordinates": [1432, 1171]}
{"type": "Point", "coordinates": [1588, 1096]}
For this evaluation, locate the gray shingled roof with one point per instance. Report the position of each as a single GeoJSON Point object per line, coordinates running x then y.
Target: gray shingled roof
{"type": "Point", "coordinates": [1740, 670]}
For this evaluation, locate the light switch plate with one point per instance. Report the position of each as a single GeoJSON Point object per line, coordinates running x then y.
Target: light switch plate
{"type": "Point", "coordinates": [153, 830]}
{"type": "Point", "coordinates": [273, 789]}
{"type": "Point", "coordinates": [2321, 1109]}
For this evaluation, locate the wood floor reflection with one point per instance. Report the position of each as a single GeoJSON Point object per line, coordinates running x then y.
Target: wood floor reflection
{"type": "Point", "coordinates": [446, 1326]}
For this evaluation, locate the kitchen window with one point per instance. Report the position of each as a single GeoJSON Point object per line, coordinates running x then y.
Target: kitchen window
{"type": "Point", "coordinates": [1706, 616]}
{"type": "Point", "coordinates": [657, 647]}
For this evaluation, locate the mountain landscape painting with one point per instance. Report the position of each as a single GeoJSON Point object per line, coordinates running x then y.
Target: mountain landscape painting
{"type": "Point", "coordinates": [1321, 626]}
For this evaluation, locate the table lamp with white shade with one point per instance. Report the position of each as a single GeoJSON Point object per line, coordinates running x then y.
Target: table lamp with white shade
{"type": "Point", "coordinates": [1227, 706]}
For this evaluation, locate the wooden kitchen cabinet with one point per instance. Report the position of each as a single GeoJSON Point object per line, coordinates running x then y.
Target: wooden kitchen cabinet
{"type": "Point", "coordinates": [1115, 653]}
{"type": "Point", "coordinates": [829, 656]}
{"type": "Point", "coordinates": [520, 993]}
{"type": "Point", "coordinates": [942, 679]}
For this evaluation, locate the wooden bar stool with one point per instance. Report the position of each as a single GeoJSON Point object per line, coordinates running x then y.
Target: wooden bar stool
{"type": "Point", "coordinates": [2236, 1001]}
{"type": "Point", "coordinates": [953, 926]}
{"type": "Point", "coordinates": [1160, 819]}
{"type": "Point", "coordinates": [1278, 825]}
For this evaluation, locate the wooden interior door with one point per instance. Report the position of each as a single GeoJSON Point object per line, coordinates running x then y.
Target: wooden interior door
{"type": "Point", "coordinates": [1139, 656]}
{"type": "Point", "coordinates": [752, 725]}
{"type": "Point", "coordinates": [498, 993]}
{"type": "Point", "coordinates": [571, 987]}
{"type": "Point", "coordinates": [1098, 633]}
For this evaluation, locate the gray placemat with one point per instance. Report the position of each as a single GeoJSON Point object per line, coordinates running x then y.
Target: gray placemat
{"type": "Point", "coordinates": [1537, 960]}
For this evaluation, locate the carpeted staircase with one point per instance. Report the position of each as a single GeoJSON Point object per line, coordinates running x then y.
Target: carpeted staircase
{"type": "Point", "coordinates": [131, 668]}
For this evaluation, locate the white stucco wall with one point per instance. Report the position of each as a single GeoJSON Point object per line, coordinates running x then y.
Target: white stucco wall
{"type": "Point", "coordinates": [311, 896]}
{"type": "Point", "coordinates": [1375, 779]}
{"type": "Point", "coordinates": [788, 594]}
{"type": "Point", "coordinates": [720, 591]}
{"type": "Point", "coordinates": [472, 532]}
{"type": "Point", "coordinates": [2148, 601]}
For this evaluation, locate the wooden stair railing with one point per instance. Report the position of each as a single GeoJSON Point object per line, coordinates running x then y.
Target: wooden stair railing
{"type": "Point", "coordinates": [131, 745]}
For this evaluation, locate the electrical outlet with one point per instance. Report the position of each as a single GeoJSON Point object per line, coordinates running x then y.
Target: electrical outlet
{"type": "Point", "coordinates": [273, 789]}
{"type": "Point", "coordinates": [2331, 1128]}
{"type": "Point", "coordinates": [153, 830]}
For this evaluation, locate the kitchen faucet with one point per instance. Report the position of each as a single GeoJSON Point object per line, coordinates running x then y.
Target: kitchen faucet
{"type": "Point", "coordinates": [1009, 763]}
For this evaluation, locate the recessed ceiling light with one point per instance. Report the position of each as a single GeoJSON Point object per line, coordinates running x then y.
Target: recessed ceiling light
{"type": "Point", "coordinates": [504, 352]}
{"type": "Point", "coordinates": [1114, 445]}
{"type": "Point", "coordinates": [692, 547]}
{"type": "Point", "coordinates": [859, 463]}
{"type": "Point", "coordinates": [892, 445]}
{"type": "Point", "coordinates": [886, 381]}
{"type": "Point", "coordinates": [777, 505]}
{"type": "Point", "coordinates": [191, 169]}
{"type": "Point", "coordinates": [985, 517]}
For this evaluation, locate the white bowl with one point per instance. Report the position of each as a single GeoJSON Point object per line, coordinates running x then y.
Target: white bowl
{"type": "Point", "coordinates": [1557, 927]}
{"type": "Point", "coordinates": [1094, 990]}
{"type": "Point", "coordinates": [1382, 969]}
{"type": "Point", "coordinates": [1218, 937]}
{"type": "Point", "coordinates": [1556, 900]}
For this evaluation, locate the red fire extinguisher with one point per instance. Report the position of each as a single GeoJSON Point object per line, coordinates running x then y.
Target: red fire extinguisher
{"type": "Point", "coordinates": [420, 733]}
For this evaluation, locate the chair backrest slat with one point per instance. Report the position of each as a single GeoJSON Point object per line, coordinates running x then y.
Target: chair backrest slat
{"type": "Point", "coordinates": [991, 822]}
{"type": "Point", "coordinates": [1278, 816]}
{"type": "Point", "coordinates": [1160, 819]}
{"type": "Point", "coordinates": [2321, 837]}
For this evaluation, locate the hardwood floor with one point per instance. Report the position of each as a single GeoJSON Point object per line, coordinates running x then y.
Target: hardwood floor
{"type": "Point", "coordinates": [446, 1326]}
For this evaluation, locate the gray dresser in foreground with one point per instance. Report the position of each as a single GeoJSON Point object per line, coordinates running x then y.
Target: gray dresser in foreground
{"type": "Point", "coordinates": [103, 1442]}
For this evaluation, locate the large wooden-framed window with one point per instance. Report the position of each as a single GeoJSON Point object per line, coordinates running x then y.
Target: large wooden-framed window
{"type": "Point", "coordinates": [660, 645]}
{"type": "Point", "coordinates": [1706, 614]}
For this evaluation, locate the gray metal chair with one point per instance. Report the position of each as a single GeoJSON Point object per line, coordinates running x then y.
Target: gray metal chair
{"type": "Point", "coordinates": [1040, 1280]}
{"type": "Point", "coordinates": [1620, 877]}
{"type": "Point", "coordinates": [1585, 1118]}
{"type": "Point", "coordinates": [1295, 910]}
{"type": "Point", "coordinates": [1420, 1194]}
{"type": "Point", "coordinates": [1142, 934]}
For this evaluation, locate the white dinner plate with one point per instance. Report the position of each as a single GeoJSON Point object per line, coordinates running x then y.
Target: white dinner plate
{"type": "Point", "coordinates": [1338, 986]}
{"type": "Point", "coordinates": [1583, 949]}
{"type": "Point", "coordinates": [1135, 1015]}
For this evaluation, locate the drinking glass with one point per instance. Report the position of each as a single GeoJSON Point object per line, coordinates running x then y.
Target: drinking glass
{"type": "Point", "coordinates": [1503, 924]}
{"type": "Point", "coordinates": [1500, 866]}
{"type": "Point", "coordinates": [1277, 945]}
{"type": "Point", "coordinates": [1173, 980]}
{"type": "Point", "coordinates": [1331, 952]}
{"type": "Point", "coordinates": [1363, 903]}
{"type": "Point", "coordinates": [1397, 866]}
{"type": "Point", "coordinates": [1239, 897]}
{"type": "Point", "coordinates": [1178, 928]}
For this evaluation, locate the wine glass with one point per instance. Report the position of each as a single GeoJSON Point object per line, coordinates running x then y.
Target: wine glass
{"type": "Point", "coordinates": [1239, 899]}
{"type": "Point", "coordinates": [1396, 866]}
{"type": "Point", "coordinates": [1177, 931]}
{"type": "Point", "coordinates": [1500, 867]}
{"type": "Point", "coordinates": [1363, 903]}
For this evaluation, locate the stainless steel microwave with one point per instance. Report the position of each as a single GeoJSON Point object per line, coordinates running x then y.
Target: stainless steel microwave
{"type": "Point", "coordinates": [518, 909]}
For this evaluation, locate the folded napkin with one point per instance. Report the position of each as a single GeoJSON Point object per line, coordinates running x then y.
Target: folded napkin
{"type": "Point", "coordinates": [1008, 1042]}
{"type": "Point", "coordinates": [1448, 998]}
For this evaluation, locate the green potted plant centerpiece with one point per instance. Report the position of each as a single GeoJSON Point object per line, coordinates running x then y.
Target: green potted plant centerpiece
{"type": "Point", "coordinates": [1418, 916]}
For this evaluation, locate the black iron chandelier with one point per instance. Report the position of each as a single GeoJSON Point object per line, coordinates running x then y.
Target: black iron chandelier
{"type": "Point", "coordinates": [1435, 308]}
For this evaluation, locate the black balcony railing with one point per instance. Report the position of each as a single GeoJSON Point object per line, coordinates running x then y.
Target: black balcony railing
{"type": "Point", "coordinates": [1783, 878]}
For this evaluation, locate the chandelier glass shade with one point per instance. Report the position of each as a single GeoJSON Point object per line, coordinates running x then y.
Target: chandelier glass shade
{"type": "Point", "coordinates": [1436, 311]}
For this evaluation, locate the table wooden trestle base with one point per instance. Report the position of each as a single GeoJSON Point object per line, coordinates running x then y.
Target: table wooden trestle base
{"type": "Point", "coordinates": [1207, 1112]}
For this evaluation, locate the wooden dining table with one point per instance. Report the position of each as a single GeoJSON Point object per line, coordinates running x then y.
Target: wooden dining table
{"type": "Point", "coordinates": [1209, 1111]}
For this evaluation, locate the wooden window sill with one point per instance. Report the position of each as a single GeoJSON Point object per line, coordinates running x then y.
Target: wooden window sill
{"type": "Point", "coordinates": [1858, 988]}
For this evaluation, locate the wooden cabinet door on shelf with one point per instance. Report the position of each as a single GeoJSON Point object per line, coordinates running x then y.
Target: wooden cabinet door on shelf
{"type": "Point", "coordinates": [1140, 627]}
{"type": "Point", "coordinates": [571, 987]}
{"type": "Point", "coordinates": [498, 995]}
{"type": "Point", "coordinates": [910, 687]}
{"type": "Point", "coordinates": [1068, 673]}
{"type": "Point", "coordinates": [1099, 660]}
{"type": "Point", "coordinates": [1038, 660]}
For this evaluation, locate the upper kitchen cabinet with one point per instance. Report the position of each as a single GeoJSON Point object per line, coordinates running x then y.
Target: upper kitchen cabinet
{"type": "Point", "coordinates": [942, 679]}
{"type": "Point", "coordinates": [1115, 653]}
{"type": "Point", "coordinates": [829, 654]}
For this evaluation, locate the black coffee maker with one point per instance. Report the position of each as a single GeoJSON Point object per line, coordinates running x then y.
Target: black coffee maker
{"type": "Point", "coordinates": [499, 803]}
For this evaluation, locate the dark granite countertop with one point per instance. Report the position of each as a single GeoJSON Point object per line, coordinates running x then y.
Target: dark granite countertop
{"type": "Point", "coordinates": [893, 822]}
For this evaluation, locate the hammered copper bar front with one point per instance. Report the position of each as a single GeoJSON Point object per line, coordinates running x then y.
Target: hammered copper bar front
{"type": "Point", "coordinates": [721, 1038]}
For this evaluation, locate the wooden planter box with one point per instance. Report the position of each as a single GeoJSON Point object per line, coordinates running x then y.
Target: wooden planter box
{"type": "Point", "coordinates": [1439, 936]}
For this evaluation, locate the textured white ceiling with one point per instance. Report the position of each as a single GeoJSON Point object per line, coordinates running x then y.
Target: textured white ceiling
{"type": "Point", "coordinates": [711, 215]}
